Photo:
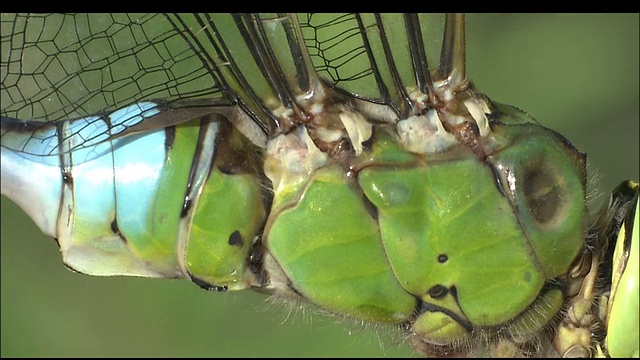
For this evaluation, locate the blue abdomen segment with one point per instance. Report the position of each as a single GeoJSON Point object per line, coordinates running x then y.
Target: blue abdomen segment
{"type": "Point", "coordinates": [37, 157]}
{"type": "Point", "coordinates": [160, 203]}
{"type": "Point", "coordinates": [110, 198]}
{"type": "Point", "coordinates": [90, 189]}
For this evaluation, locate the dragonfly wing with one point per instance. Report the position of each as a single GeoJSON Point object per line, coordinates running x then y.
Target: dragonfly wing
{"type": "Point", "coordinates": [65, 67]}
{"type": "Point", "coordinates": [387, 61]}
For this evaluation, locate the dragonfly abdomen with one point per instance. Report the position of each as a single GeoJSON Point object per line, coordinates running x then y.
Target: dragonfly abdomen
{"type": "Point", "coordinates": [130, 205]}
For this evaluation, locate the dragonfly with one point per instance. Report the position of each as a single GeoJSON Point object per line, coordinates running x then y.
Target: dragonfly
{"type": "Point", "coordinates": [86, 291]}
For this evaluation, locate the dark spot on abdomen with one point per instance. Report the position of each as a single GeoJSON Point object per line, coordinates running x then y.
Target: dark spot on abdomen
{"type": "Point", "coordinates": [116, 230]}
{"type": "Point", "coordinates": [235, 239]}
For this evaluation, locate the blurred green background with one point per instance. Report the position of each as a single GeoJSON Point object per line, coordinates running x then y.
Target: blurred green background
{"type": "Point", "coordinates": [577, 74]}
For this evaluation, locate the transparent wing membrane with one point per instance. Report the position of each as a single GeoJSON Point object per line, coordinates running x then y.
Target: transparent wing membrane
{"type": "Point", "coordinates": [379, 58]}
{"type": "Point", "coordinates": [259, 70]}
{"type": "Point", "coordinates": [58, 67]}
